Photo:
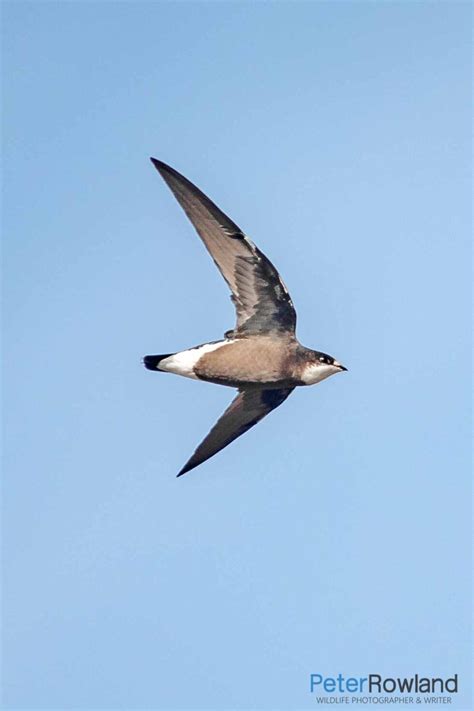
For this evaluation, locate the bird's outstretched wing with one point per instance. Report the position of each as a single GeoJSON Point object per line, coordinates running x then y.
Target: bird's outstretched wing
{"type": "Point", "coordinates": [248, 408]}
{"type": "Point", "coordinates": [261, 298]}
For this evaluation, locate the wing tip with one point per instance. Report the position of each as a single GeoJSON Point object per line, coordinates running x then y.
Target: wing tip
{"type": "Point", "coordinates": [187, 468]}
{"type": "Point", "coordinates": [167, 172]}
{"type": "Point", "coordinates": [159, 165]}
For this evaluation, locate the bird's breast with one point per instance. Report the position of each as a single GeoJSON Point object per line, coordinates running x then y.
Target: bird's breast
{"type": "Point", "coordinates": [247, 360]}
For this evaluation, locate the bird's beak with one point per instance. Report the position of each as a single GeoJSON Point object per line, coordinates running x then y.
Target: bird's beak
{"type": "Point", "coordinates": [338, 365]}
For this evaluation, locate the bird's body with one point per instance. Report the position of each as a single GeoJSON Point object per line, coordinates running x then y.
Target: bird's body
{"type": "Point", "coordinates": [262, 361]}
{"type": "Point", "coordinates": [261, 356]}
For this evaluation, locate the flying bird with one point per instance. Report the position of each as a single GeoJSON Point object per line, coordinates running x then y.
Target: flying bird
{"type": "Point", "coordinates": [261, 355]}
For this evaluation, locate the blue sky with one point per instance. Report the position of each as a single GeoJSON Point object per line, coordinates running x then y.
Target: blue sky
{"type": "Point", "coordinates": [335, 536]}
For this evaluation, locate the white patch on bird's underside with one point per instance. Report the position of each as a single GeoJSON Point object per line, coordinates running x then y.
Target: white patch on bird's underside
{"type": "Point", "coordinates": [315, 372]}
{"type": "Point", "coordinates": [183, 363]}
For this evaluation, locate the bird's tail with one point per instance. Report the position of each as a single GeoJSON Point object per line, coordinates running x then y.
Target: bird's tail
{"type": "Point", "coordinates": [152, 362]}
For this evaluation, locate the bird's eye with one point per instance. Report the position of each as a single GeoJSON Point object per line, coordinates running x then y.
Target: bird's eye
{"type": "Point", "coordinates": [322, 359]}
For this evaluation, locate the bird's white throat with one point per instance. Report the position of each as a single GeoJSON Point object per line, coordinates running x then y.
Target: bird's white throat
{"type": "Point", "coordinates": [315, 372]}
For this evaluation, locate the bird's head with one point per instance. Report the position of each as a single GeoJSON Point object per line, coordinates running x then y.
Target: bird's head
{"type": "Point", "coordinates": [320, 366]}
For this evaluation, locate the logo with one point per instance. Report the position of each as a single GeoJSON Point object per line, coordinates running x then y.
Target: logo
{"type": "Point", "coordinates": [378, 689]}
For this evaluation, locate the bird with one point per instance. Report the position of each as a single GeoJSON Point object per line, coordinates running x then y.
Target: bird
{"type": "Point", "coordinates": [261, 355]}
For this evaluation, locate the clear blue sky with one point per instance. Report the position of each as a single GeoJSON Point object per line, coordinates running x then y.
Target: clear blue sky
{"type": "Point", "coordinates": [334, 537]}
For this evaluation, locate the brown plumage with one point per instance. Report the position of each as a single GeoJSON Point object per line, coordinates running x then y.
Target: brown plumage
{"type": "Point", "coordinates": [262, 360]}
{"type": "Point", "coordinates": [261, 355]}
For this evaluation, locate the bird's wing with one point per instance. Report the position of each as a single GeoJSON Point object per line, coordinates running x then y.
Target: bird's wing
{"type": "Point", "coordinates": [261, 298]}
{"type": "Point", "coordinates": [248, 408]}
